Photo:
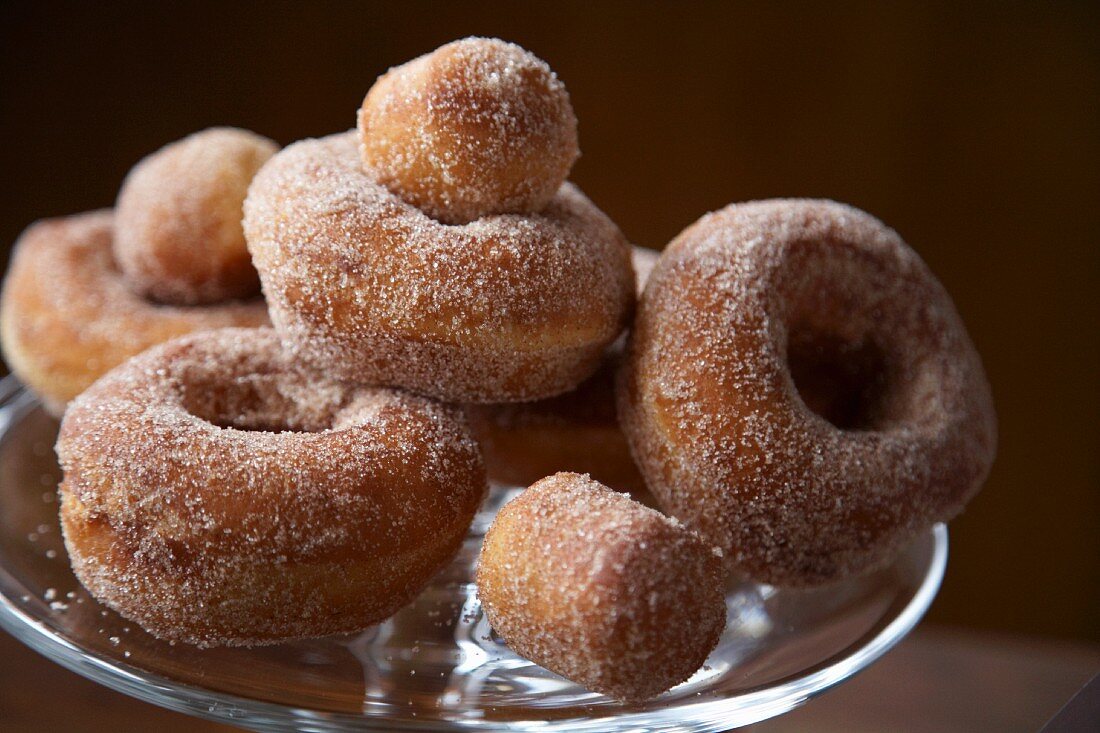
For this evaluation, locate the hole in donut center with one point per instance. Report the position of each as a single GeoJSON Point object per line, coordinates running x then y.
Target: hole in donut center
{"type": "Point", "coordinates": [273, 403]}
{"type": "Point", "coordinates": [844, 382]}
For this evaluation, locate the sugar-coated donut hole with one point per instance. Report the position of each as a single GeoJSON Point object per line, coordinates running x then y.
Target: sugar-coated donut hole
{"type": "Point", "coordinates": [178, 236]}
{"type": "Point", "coordinates": [479, 126]}
{"type": "Point", "coordinates": [599, 589]}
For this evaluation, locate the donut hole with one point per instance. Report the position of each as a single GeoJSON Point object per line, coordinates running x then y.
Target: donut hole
{"type": "Point", "coordinates": [843, 381]}
{"type": "Point", "coordinates": [477, 127]}
{"type": "Point", "coordinates": [178, 236]}
{"type": "Point", "coordinates": [259, 402]}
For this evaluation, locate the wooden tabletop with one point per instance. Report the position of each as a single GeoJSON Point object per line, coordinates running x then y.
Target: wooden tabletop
{"type": "Point", "coordinates": [940, 679]}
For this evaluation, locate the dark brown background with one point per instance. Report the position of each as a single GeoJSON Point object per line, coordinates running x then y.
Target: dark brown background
{"type": "Point", "coordinates": [973, 130]}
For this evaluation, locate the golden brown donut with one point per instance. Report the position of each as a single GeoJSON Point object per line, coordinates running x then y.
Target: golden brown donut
{"type": "Point", "coordinates": [600, 589]}
{"type": "Point", "coordinates": [178, 218]}
{"type": "Point", "coordinates": [67, 315]}
{"type": "Point", "coordinates": [757, 311]}
{"type": "Point", "coordinates": [368, 288]}
{"type": "Point", "coordinates": [216, 494]}
{"type": "Point", "coordinates": [577, 431]}
{"type": "Point", "coordinates": [476, 127]}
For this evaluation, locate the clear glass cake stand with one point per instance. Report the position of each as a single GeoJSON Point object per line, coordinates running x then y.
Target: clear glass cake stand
{"type": "Point", "coordinates": [436, 665]}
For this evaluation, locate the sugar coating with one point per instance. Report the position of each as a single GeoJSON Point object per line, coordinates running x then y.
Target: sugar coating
{"type": "Point", "coordinates": [216, 493]}
{"type": "Point", "coordinates": [476, 127]}
{"type": "Point", "coordinates": [68, 315]}
{"type": "Point", "coordinates": [720, 431]}
{"type": "Point", "coordinates": [600, 589]}
{"type": "Point", "coordinates": [368, 288]}
{"type": "Point", "coordinates": [178, 226]}
{"type": "Point", "coordinates": [593, 401]}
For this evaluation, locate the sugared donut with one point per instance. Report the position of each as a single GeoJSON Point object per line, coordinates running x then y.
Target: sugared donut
{"type": "Point", "coordinates": [67, 314]}
{"type": "Point", "coordinates": [369, 288]}
{"type": "Point", "coordinates": [216, 494]}
{"type": "Point", "coordinates": [178, 227]}
{"type": "Point", "coordinates": [600, 589]}
{"type": "Point", "coordinates": [476, 127]}
{"type": "Point", "coordinates": [761, 309]}
{"type": "Point", "coordinates": [577, 431]}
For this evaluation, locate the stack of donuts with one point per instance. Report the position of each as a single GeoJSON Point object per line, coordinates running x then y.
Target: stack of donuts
{"type": "Point", "coordinates": [85, 293]}
{"type": "Point", "coordinates": [787, 393]}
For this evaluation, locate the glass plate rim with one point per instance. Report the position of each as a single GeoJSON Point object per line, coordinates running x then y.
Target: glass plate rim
{"type": "Point", "coordinates": [156, 689]}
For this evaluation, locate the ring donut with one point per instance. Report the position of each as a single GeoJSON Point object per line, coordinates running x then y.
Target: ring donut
{"type": "Point", "coordinates": [216, 494]}
{"type": "Point", "coordinates": [800, 390]}
{"type": "Point", "coordinates": [368, 288]}
{"type": "Point", "coordinates": [67, 314]}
